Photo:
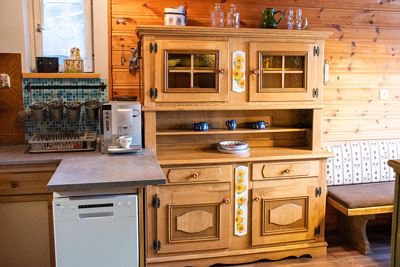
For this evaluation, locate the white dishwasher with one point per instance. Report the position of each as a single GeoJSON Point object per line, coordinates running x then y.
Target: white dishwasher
{"type": "Point", "coordinates": [96, 231]}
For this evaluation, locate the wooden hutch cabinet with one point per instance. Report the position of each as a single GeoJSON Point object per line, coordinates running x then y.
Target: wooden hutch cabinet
{"type": "Point", "coordinates": [200, 218]}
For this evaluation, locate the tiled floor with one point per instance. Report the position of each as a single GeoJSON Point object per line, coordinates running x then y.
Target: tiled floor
{"type": "Point", "coordinates": [342, 254]}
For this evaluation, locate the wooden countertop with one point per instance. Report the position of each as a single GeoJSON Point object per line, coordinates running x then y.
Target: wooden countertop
{"type": "Point", "coordinates": [210, 156]}
{"type": "Point", "coordinates": [79, 171]}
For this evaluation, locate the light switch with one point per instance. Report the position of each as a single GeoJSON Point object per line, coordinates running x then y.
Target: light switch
{"type": "Point", "coordinates": [383, 94]}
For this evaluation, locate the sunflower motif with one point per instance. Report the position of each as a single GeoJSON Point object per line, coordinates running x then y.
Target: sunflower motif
{"type": "Point", "coordinates": [237, 66]}
{"type": "Point", "coordinates": [237, 74]}
{"type": "Point", "coordinates": [239, 59]}
{"type": "Point", "coordinates": [241, 180]}
{"type": "Point", "coordinates": [239, 212]}
{"type": "Point", "coordinates": [240, 228]}
{"type": "Point", "coordinates": [241, 83]}
{"type": "Point", "coordinates": [240, 188]}
{"type": "Point", "coordinates": [239, 219]}
{"type": "Point", "coordinates": [241, 173]}
{"type": "Point", "coordinates": [241, 201]}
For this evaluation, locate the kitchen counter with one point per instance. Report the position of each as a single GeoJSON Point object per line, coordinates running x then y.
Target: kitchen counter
{"type": "Point", "coordinates": [80, 171]}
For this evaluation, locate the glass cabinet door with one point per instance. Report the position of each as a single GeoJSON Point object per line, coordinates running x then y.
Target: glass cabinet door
{"type": "Point", "coordinates": [191, 71]}
{"type": "Point", "coordinates": [279, 74]}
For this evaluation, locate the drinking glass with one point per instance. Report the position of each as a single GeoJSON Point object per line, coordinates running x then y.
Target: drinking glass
{"type": "Point", "coordinates": [233, 17]}
{"type": "Point", "coordinates": [301, 21]}
{"type": "Point", "coordinates": [290, 19]}
{"type": "Point", "coordinates": [217, 16]}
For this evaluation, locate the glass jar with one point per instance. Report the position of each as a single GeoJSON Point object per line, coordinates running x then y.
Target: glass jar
{"type": "Point", "coordinates": [217, 16]}
{"type": "Point", "coordinates": [233, 17]}
{"type": "Point", "coordinates": [290, 19]}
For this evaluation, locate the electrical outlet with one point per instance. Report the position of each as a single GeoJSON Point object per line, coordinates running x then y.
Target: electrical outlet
{"type": "Point", "coordinates": [383, 94]}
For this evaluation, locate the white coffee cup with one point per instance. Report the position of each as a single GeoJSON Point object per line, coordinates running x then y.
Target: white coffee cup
{"type": "Point", "coordinates": [125, 141]}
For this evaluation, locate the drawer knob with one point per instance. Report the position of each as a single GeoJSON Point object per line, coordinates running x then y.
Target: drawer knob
{"type": "Point", "coordinates": [195, 175]}
{"type": "Point", "coordinates": [226, 200]}
{"type": "Point", "coordinates": [14, 184]}
{"type": "Point", "coordinates": [258, 199]}
{"type": "Point", "coordinates": [121, 21]}
{"type": "Point", "coordinates": [287, 171]}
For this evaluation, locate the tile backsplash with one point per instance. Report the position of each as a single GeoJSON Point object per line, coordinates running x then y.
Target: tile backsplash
{"type": "Point", "coordinates": [47, 95]}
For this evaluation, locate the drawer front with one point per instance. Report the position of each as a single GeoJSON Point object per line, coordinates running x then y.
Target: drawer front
{"type": "Point", "coordinates": [198, 174]}
{"type": "Point", "coordinates": [285, 169]}
{"type": "Point", "coordinates": [24, 183]}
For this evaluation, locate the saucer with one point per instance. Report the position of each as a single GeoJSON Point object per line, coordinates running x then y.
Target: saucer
{"type": "Point", "coordinates": [120, 150]}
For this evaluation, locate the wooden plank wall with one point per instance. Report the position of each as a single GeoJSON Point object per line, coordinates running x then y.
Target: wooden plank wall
{"type": "Point", "coordinates": [364, 55]}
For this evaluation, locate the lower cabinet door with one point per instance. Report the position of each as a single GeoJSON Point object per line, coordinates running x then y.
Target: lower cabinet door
{"type": "Point", "coordinates": [285, 212]}
{"type": "Point", "coordinates": [193, 217]}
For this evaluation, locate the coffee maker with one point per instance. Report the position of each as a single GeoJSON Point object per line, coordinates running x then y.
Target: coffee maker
{"type": "Point", "coordinates": [121, 119]}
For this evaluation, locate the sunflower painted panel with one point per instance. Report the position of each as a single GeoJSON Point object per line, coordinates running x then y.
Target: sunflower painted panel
{"type": "Point", "coordinates": [241, 199]}
{"type": "Point", "coordinates": [239, 72]}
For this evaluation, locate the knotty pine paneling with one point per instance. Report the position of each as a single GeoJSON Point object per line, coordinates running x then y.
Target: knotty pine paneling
{"type": "Point", "coordinates": [364, 55]}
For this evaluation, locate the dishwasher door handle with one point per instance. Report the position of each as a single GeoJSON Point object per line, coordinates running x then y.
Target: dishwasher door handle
{"type": "Point", "coordinates": [92, 215]}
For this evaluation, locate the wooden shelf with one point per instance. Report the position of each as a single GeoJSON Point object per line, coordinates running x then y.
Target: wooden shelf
{"type": "Point", "coordinates": [225, 131]}
{"type": "Point", "coordinates": [61, 75]}
{"type": "Point", "coordinates": [210, 155]}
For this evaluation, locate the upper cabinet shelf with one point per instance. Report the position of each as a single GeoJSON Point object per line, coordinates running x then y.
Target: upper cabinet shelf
{"type": "Point", "coordinates": [236, 131]}
{"type": "Point", "coordinates": [61, 75]}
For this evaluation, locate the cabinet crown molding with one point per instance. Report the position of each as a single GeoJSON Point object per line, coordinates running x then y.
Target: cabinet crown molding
{"type": "Point", "coordinates": [231, 32]}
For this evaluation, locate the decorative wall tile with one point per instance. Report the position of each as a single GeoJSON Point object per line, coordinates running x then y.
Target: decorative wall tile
{"type": "Point", "coordinates": [47, 95]}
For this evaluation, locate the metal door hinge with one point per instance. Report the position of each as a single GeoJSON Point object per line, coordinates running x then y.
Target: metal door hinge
{"type": "Point", "coordinates": [156, 245]}
{"type": "Point", "coordinates": [153, 47]}
{"type": "Point", "coordinates": [153, 92]}
{"type": "Point", "coordinates": [316, 51]}
{"type": "Point", "coordinates": [315, 92]}
{"type": "Point", "coordinates": [156, 202]}
{"type": "Point", "coordinates": [317, 230]}
{"type": "Point", "coordinates": [318, 192]}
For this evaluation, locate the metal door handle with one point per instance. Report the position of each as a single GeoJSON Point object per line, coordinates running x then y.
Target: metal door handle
{"type": "Point", "coordinates": [255, 72]}
{"type": "Point", "coordinates": [226, 200]}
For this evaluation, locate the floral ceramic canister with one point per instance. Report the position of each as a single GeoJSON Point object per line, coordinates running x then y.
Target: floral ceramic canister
{"type": "Point", "coordinates": [239, 71]}
{"type": "Point", "coordinates": [74, 63]}
{"type": "Point", "coordinates": [241, 199]}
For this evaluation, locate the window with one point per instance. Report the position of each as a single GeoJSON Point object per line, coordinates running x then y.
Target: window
{"type": "Point", "coordinates": [61, 25]}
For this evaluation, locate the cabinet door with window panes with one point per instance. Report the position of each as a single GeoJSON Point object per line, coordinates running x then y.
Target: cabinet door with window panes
{"type": "Point", "coordinates": [191, 71]}
{"type": "Point", "coordinates": [282, 72]}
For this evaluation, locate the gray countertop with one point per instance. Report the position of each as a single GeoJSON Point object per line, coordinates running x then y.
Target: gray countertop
{"type": "Point", "coordinates": [79, 171]}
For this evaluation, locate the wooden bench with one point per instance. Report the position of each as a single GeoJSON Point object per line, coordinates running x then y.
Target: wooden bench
{"type": "Point", "coordinates": [360, 185]}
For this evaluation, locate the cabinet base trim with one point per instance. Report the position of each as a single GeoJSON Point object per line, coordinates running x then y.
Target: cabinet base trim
{"type": "Point", "coordinates": [315, 249]}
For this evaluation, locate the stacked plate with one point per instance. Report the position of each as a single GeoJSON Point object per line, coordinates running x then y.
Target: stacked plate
{"type": "Point", "coordinates": [233, 147]}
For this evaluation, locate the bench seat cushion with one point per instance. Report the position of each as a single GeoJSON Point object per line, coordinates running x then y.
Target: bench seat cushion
{"type": "Point", "coordinates": [363, 195]}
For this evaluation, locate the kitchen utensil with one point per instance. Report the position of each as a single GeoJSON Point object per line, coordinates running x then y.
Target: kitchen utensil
{"type": "Point", "coordinates": [56, 142]}
{"type": "Point", "coordinates": [230, 124]}
{"type": "Point", "coordinates": [200, 126]}
{"type": "Point", "coordinates": [217, 16]}
{"type": "Point", "coordinates": [233, 145]}
{"type": "Point", "coordinates": [175, 16]}
{"type": "Point", "coordinates": [56, 108]}
{"type": "Point", "coordinates": [125, 141]}
{"type": "Point", "coordinates": [243, 151]}
{"type": "Point", "coordinates": [290, 19]}
{"type": "Point", "coordinates": [268, 19]}
{"type": "Point", "coordinates": [259, 125]}
{"type": "Point", "coordinates": [38, 111]}
{"type": "Point", "coordinates": [233, 17]}
{"type": "Point", "coordinates": [92, 109]}
{"type": "Point", "coordinates": [73, 109]}
{"type": "Point", "coordinates": [301, 21]}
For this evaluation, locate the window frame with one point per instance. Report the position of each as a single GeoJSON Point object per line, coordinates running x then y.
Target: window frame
{"type": "Point", "coordinates": [36, 10]}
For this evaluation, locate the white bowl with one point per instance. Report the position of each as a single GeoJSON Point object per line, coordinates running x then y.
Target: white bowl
{"type": "Point", "coordinates": [233, 145]}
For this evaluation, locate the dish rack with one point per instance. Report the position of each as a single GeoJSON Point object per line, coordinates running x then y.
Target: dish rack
{"type": "Point", "coordinates": [62, 142]}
